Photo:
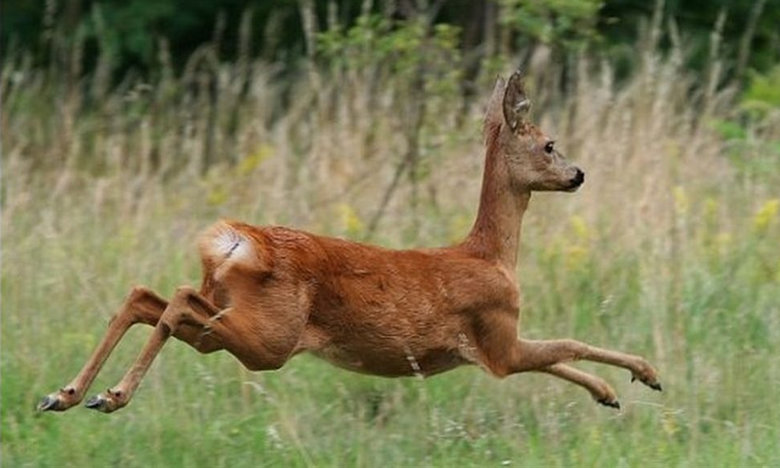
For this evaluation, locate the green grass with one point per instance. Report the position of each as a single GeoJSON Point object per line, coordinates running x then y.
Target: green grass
{"type": "Point", "coordinates": [710, 321]}
{"type": "Point", "coordinates": [668, 251]}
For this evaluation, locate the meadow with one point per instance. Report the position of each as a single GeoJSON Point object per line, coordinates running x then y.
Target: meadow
{"type": "Point", "coordinates": [670, 250]}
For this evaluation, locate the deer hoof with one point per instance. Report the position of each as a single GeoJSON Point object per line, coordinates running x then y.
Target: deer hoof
{"type": "Point", "coordinates": [59, 401]}
{"type": "Point", "coordinates": [108, 401]}
{"type": "Point", "coordinates": [654, 384]}
{"type": "Point", "coordinates": [97, 402]}
{"type": "Point", "coordinates": [102, 404]}
{"type": "Point", "coordinates": [50, 403]}
{"type": "Point", "coordinates": [611, 403]}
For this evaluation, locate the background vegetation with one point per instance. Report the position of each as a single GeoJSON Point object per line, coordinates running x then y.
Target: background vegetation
{"type": "Point", "coordinates": [129, 126]}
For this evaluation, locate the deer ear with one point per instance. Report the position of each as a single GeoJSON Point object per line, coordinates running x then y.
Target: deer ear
{"type": "Point", "coordinates": [494, 114]}
{"type": "Point", "coordinates": [515, 103]}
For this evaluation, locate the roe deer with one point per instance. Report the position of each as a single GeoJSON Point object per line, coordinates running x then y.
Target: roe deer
{"type": "Point", "coordinates": [269, 293]}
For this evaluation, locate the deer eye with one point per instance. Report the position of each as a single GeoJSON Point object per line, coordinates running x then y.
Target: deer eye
{"type": "Point", "coordinates": [548, 148]}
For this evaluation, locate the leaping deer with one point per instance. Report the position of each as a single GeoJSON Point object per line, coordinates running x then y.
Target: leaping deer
{"type": "Point", "coordinates": [269, 293]}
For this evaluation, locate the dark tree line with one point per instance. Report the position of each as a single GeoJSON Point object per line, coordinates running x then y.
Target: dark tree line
{"type": "Point", "coordinates": [134, 31]}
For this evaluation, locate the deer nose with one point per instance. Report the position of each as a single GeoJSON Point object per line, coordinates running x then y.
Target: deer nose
{"type": "Point", "coordinates": [578, 179]}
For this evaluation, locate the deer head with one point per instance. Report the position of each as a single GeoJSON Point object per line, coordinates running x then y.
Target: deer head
{"type": "Point", "coordinates": [530, 156]}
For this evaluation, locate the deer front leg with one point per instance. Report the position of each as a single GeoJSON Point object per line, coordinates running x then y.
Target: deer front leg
{"type": "Point", "coordinates": [549, 355]}
{"type": "Point", "coordinates": [598, 388]}
{"type": "Point", "coordinates": [502, 353]}
{"type": "Point", "coordinates": [141, 306]}
{"type": "Point", "coordinates": [532, 355]}
{"type": "Point", "coordinates": [185, 309]}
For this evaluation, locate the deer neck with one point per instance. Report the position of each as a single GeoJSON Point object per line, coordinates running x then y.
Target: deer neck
{"type": "Point", "coordinates": [496, 231]}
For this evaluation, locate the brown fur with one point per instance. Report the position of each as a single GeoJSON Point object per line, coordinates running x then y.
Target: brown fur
{"type": "Point", "coordinates": [269, 293]}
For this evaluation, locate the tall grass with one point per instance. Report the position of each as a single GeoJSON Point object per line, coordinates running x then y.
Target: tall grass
{"type": "Point", "coordinates": [669, 250]}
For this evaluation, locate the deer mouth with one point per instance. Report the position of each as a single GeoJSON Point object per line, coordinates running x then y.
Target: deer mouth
{"type": "Point", "coordinates": [576, 181]}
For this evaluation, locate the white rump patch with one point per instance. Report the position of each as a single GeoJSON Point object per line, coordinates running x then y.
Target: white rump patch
{"type": "Point", "coordinates": [230, 244]}
{"type": "Point", "coordinates": [223, 246]}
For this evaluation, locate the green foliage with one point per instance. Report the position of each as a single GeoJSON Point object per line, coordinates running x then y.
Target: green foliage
{"type": "Point", "coordinates": [752, 133]}
{"type": "Point", "coordinates": [132, 31]}
{"type": "Point", "coordinates": [762, 94]}
{"type": "Point", "coordinates": [403, 49]}
{"type": "Point", "coordinates": [371, 41]}
{"type": "Point", "coordinates": [568, 24]}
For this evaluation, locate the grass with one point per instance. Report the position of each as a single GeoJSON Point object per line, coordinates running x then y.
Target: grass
{"type": "Point", "coordinates": [668, 251]}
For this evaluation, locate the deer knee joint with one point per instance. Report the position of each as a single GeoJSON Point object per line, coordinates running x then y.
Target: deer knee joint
{"type": "Point", "coordinates": [137, 292]}
{"type": "Point", "coordinates": [181, 296]}
{"type": "Point", "coordinates": [166, 327]}
{"type": "Point", "coordinates": [579, 349]}
{"type": "Point", "coordinates": [185, 291]}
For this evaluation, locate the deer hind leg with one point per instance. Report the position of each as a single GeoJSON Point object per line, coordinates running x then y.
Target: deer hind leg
{"type": "Point", "coordinates": [185, 317]}
{"type": "Point", "coordinates": [263, 330]}
{"type": "Point", "coordinates": [141, 306]}
{"type": "Point", "coordinates": [261, 339]}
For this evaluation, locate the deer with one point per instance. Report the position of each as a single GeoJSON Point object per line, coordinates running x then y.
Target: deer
{"type": "Point", "coordinates": [269, 293]}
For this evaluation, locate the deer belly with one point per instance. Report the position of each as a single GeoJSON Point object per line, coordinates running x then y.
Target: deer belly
{"type": "Point", "coordinates": [390, 362]}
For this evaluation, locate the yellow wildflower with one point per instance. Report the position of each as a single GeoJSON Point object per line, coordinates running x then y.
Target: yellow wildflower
{"type": "Point", "coordinates": [575, 256]}
{"type": "Point", "coordinates": [766, 214]}
{"type": "Point", "coordinates": [217, 196]}
{"type": "Point", "coordinates": [250, 163]}
{"type": "Point", "coordinates": [581, 230]}
{"type": "Point", "coordinates": [669, 423]}
{"type": "Point", "coordinates": [352, 223]}
{"type": "Point", "coordinates": [681, 202]}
